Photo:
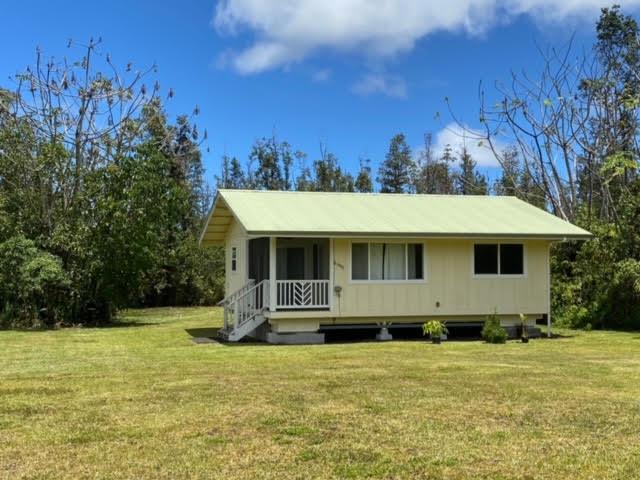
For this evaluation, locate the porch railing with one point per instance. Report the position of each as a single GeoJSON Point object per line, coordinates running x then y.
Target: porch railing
{"type": "Point", "coordinates": [300, 294]}
{"type": "Point", "coordinates": [245, 303]}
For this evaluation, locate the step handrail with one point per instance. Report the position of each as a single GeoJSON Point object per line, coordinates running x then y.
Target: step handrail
{"type": "Point", "coordinates": [232, 296]}
{"type": "Point", "coordinates": [246, 304]}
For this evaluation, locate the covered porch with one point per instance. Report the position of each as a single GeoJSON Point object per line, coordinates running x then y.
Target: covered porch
{"type": "Point", "coordinates": [295, 272]}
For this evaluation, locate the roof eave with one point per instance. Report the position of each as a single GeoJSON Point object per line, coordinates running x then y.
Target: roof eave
{"type": "Point", "coordinates": [514, 235]}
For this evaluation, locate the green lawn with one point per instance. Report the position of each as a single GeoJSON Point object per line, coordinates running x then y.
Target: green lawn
{"type": "Point", "coordinates": [144, 401]}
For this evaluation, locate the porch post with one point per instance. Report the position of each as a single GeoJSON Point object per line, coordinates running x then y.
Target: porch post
{"type": "Point", "coordinates": [549, 292]}
{"type": "Point", "coordinates": [331, 274]}
{"type": "Point", "coordinates": [272, 274]}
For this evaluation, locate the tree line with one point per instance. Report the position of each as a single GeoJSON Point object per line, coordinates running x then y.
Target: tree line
{"type": "Point", "coordinates": [274, 165]}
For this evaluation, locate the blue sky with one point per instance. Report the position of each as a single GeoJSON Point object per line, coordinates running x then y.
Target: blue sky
{"type": "Point", "coordinates": [349, 73]}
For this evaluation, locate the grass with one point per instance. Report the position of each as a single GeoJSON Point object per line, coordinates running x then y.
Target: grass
{"type": "Point", "coordinates": [144, 401]}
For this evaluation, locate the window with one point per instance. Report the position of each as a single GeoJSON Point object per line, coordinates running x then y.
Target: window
{"type": "Point", "coordinates": [498, 259]}
{"type": "Point", "coordinates": [360, 261]}
{"type": "Point", "coordinates": [511, 259]}
{"type": "Point", "coordinates": [415, 261]}
{"type": "Point", "coordinates": [387, 261]}
{"type": "Point", "coordinates": [234, 259]}
{"type": "Point", "coordinates": [485, 258]}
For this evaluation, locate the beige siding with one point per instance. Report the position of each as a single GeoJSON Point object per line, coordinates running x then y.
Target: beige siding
{"type": "Point", "coordinates": [295, 325]}
{"type": "Point", "coordinates": [236, 237]}
{"type": "Point", "coordinates": [449, 282]}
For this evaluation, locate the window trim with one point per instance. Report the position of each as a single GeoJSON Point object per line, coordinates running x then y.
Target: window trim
{"type": "Point", "coordinates": [406, 260]}
{"type": "Point", "coordinates": [498, 275]}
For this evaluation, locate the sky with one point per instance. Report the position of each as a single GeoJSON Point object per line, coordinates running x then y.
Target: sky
{"type": "Point", "coordinates": [348, 74]}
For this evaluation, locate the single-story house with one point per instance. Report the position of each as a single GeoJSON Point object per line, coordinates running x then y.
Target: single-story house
{"type": "Point", "coordinates": [301, 263]}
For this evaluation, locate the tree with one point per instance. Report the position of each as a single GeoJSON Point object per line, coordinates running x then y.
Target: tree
{"type": "Point", "coordinates": [610, 160]}
{"type": "Point", "coordinates": [274, 164]}
{"type": "Point", "coordinates": [434, 174]}
{"type": "Point", "coordinates": [396, 172]}
{"type": "Point", "coordinates": [265, 153]}
{"type": "Point", "coordinates": [507, 183]}
{"type": "Point", "coordinates": [232, 175]}
{"type": "Point", "coordinates": [468, 181]}
{"type": "Point", "coordinates": [364, 183]}
{"type": "Point", "coordinates": [547, 121]}
{"type": "Point", "coordinates": [108, 192]}
{"type": "Point", "coordinates": [529, 189]}
{"type": "Point", "coordinates": [329, 176]}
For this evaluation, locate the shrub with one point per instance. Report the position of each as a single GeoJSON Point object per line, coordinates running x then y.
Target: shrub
{"type": "Point", "coordinates": [33, 285]}
{"type": "Point", "coordinates": [434, 328]}
{"type": "Point", "coordinates": [492, 331]}
{"type": "Point", "coordinates": [621, 306]}
{"type": "Point", "coordinates": [573, 316]}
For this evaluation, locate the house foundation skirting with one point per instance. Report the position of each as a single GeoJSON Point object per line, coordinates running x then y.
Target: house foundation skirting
{"type": "Point", "coordinates": [298, 338]}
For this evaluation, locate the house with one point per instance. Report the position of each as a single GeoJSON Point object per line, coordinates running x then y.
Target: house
{"type": "Point", "coordinates": [301, 263]}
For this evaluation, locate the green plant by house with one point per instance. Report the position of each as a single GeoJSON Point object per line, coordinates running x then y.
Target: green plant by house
{"type": "Point", "coordinates": [435, 329]}
{"type": "Point", "coordinates": [492, 331]}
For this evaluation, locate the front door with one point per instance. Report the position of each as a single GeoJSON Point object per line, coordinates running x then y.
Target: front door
{"type": "Point", "coordinates": [295, 263]}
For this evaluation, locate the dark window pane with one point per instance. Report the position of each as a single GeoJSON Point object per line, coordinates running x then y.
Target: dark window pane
{"type": "Point", "coordinates": [415, 262]}
{"type": "Point", "coordinates": [511, 259]}
{"type": "Point", "coordinates": [485, 259]}
{"type": "Point", "coordinates": [234, 257]}
{"type": "Point", "coordinates": [359, 261]}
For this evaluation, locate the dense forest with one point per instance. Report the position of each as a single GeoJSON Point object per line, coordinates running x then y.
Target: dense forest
{"type": "Point", "coordinates": [102, 196]}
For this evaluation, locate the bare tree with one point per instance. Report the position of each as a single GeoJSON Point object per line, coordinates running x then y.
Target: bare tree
{"type": "Point", "coordinates": [93, 115]}
{"type": "Point", "coordinates": [546, 119]}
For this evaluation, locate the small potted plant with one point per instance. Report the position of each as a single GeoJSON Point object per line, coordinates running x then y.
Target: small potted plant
{"type": "Point", "coordinates": [524, 329]}
{"type": "Point", "coordinates": [435, 329]}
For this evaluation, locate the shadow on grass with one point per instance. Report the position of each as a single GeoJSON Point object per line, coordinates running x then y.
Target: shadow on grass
{"type": "Point", "coordinates": [114, 324]}
{"type": "Point", "coordinates": [123, 324]}
{"type": "Point", "coordinates": [210, 335]}
{"type": "Point", "coordinates": [203, 332]}
{"type": "Point", "coordinates": [554, 336]}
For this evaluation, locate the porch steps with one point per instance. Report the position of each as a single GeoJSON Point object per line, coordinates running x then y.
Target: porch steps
{"type": "Point", "coordinates": [244, 310]}
{"type": "Point", "coordinates": [237, 333]}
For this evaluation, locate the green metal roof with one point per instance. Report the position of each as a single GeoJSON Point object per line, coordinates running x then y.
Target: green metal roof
{"type": "Point", "coordinates": [361, 214]}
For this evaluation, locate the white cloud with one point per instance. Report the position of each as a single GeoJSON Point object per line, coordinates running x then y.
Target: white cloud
{"type": "Point", "coordinates": [390, 85]}
{"type": "Point", "coordinates": [457, 137]}
{"type": "Point", "coordinates": [288, 31]}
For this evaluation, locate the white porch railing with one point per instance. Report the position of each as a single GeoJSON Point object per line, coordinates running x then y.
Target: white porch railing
{"type": "Point", "coordinates": [244, 304]}
{"type": "Point", "coordinates": [301, 294]}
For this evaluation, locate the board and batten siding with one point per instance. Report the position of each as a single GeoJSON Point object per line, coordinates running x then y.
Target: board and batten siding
{"type": "Point", "coordinates": [449, 282]}
{"type": "Point", "coordinates": [236, 237]}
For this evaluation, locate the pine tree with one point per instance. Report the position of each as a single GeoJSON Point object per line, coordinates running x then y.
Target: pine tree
{"type": "Point", "coordinates": [266, 153]}
{"type": "Point", "coordinates": [286, 157]}
{"type": "Point", "coordinates": [469, 181]}
{"type": "Point", "coordinates": [329, 176]}
{"type": "Point", "coordinates": [435, 174]}
{"type": "Point", "coordinates": [364, 183]}
{"type": "Point", "coordinates": [396, 172]}
{"type": "Point", "coordinates": [507, 184]}
{"type": "Point", "coordinates": [530, 190]}
{"type": "Point", "coordinates": [232, 175]}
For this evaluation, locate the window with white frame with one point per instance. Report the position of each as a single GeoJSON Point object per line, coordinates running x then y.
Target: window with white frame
{"type": "Point", "coordinates": [234, 259]}
{"type": "Point", "coordinates": [378, 261]}
{"type": "Point", "coordinates": [498, 259]}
